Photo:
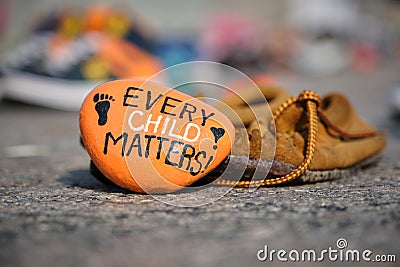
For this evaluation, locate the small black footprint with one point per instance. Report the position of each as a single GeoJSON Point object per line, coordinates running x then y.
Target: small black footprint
{"type": "Point", "coordinates": [102, 106]}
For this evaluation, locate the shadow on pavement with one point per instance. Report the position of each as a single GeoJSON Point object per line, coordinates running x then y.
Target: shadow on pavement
{"type": "Point", "coordinates": [83, 179]}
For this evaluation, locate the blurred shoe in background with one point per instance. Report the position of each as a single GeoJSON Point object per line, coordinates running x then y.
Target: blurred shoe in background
{"type": "Point", "coordinates": [120, 23]}
{"type": "Point", "coordinates": [68, 55]}
{"type": "Point", "coordinates": [117, 22]}
{"type": "Point", "coordinates": [236, 40]}
{"type": "Point", "coordinates": [321, 57]}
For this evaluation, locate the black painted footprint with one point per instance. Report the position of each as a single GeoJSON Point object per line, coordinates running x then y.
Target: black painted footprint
{"type": "Point", "coordinates": [102, 106]}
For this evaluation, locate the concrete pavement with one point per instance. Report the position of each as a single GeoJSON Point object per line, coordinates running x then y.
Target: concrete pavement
{"type": "Point", "coordinates": [53, 213]}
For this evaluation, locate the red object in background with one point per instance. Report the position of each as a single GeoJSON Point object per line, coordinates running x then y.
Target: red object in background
{"type": "Point", "coordinates": [233, 39]}
{"type": "Point", "coordinates": [364, 57]}
{"type": "Point", "coordinates": [263, 79]}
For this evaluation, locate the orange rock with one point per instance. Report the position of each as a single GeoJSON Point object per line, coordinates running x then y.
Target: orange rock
{"type": "Point", "coordinates": [151, 139]}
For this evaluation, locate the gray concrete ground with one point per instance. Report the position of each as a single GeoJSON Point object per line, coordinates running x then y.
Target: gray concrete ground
{"type": "Point", "coordinates": [53, 213]}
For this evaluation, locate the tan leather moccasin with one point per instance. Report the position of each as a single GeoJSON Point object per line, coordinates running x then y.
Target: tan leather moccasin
{"type": "Point", "coordinates": [315, 139]}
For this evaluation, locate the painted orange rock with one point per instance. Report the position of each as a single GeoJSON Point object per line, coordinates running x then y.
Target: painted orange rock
{"type": "Point", "coordinates": [151, 139]}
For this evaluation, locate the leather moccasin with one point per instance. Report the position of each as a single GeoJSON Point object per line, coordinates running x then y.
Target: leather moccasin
{"type": "Point", "coordinates": [315, 139]}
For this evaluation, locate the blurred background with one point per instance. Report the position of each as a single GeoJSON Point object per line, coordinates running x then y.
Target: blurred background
{"type": "Point", "coordinates": [52, 53]}
{"type": "Point", "coordinates": [48, 44]}
{"type": "Point", "coordinates": [313, 37]}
